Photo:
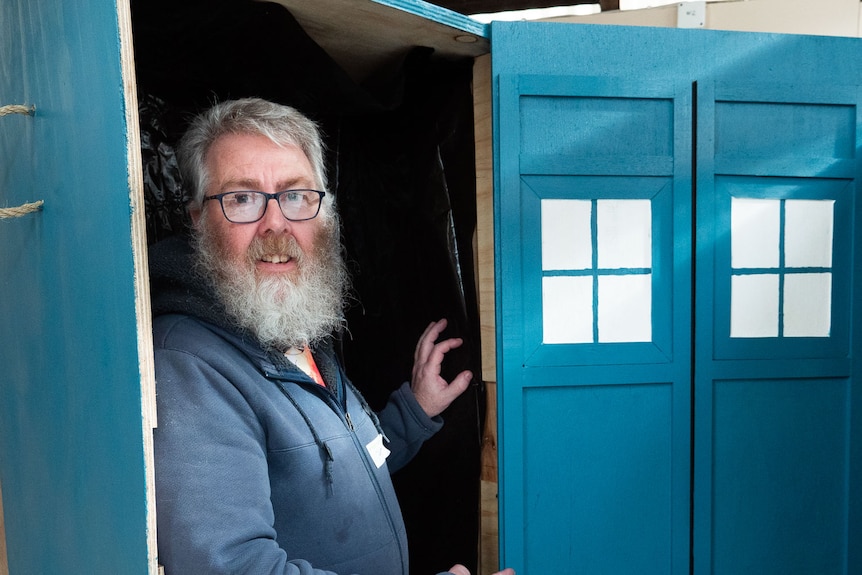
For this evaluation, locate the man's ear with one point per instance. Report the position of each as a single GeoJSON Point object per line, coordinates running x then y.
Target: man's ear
{"type": "Point", "coordinates": [194, 214]}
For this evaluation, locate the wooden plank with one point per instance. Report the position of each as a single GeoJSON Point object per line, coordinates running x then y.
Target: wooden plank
{"type": "Point", "coordinates": [488, 522]}
{"type": "Point", "coordinates": [485, 213]}
{"type": "Point", "coordinates": [489, 534]}
{"type": "Point", "coordinates": [364, 36]}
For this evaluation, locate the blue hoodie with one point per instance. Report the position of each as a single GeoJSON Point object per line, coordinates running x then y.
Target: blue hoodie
{"type": "Point", "coordinates": [259, 470]}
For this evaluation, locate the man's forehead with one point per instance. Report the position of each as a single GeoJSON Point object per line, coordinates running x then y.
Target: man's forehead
{"type": "Point", "coordinates": [246, 146]}
{"type": "Point", "coordinates": [254, 162]}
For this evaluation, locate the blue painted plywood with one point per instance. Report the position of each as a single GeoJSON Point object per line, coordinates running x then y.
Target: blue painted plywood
{"type": "Point", "coordinates": [72, 461]}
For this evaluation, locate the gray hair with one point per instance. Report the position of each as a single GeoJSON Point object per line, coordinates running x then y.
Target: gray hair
{"type": "Point", "coordinates": [281, 124]}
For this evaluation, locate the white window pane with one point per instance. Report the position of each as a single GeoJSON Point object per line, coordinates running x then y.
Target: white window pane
{"type": "Point", "coordinates": [754, 306]}
{"type": "Point", "coordinates": [625, 308]}
{"type": "Point", "coordinates": [624, 233]}
{"type": "Point", "coordinates": [567, 310]}
{"type": "Point", "coordinates": [808, 228]}
{"type": "Point", "coordinates": [754, 233]}
{"type": "Point", "coordinates": [566, 235]}
{"type": "Point", "coordinates": [807, 305]}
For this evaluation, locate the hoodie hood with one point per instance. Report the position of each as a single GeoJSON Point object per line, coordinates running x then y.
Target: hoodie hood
{"type": "Point", "coordinates": [177, 287]}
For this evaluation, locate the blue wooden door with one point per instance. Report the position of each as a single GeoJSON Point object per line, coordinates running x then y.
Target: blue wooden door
{"type": "Point", "coordinates": [74, 341]}
{"type": "Point", "coordinates": [777, 437]}
{"type": "Point", "coordinates": [594, 410]}
{"type": "Point", "coordinates": [661, 196]}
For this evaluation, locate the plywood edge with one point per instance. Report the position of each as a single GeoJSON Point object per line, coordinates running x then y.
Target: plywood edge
{"type": "Point", "coordinates": [489, 518]}
{"type": "Point", "coordinates": [484, 247]}
{"type": "Point", "coordinates": [483, 129]}
{"type": "Point", "coordinates": [436, 13]}
{"type": "Point", "coordinates": [143, 316]}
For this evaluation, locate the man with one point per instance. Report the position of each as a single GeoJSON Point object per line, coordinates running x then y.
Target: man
{"type": "Point", "coordinates": [268, 460]}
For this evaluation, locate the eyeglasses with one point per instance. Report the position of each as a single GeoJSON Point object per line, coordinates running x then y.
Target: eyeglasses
{"type": "Point", "coordinates": [247, 207]}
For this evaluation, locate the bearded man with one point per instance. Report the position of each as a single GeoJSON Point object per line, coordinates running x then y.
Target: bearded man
{"type": "Point", "coordinates": [267, 459]}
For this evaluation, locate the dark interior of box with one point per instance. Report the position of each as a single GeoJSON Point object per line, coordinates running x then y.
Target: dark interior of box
{"type": "Point", "coordinates": [401, 163]}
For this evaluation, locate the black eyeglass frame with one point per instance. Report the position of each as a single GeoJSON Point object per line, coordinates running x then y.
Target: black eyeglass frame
{"type": "Point", "coordinates": [268, 197]}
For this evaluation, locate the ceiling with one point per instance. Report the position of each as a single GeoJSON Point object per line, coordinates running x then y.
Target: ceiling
{"type": "Point", "coordinates": [485, 6]}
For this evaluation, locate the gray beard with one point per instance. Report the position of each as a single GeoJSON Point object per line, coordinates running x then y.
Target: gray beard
{"type": "Point", "coordinates": [284, 311]}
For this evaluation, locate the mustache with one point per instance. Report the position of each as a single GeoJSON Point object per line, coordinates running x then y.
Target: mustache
{"type": "Point", "coordinates": [270, 245]}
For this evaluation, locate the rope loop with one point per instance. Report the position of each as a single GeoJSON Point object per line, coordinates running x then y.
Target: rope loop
{"type": "Point", "coordinates": [17, 109]}
{"type": "Point", "coordinates": [22, 210]}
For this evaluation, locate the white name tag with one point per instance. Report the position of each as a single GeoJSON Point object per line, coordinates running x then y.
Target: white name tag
{"type": "Point", "coordinates": [377, 451]}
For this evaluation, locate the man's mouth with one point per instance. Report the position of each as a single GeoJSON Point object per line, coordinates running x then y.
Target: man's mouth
{"type": "Point", "coordinates": [275, 258]}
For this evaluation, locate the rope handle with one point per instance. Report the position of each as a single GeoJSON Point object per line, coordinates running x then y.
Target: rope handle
{"type": "Point", "coordinates": [21, 210]}
{"type": "Point", "coordinates": [17, 109]}
{"type": "Point", "coordinates": [24, 209]}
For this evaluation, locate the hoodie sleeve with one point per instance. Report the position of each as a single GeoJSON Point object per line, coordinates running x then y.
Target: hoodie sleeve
{"type": "Point", "coordinates": [406, 426]}
{"type": "Point", "coordinates": [212, 487]}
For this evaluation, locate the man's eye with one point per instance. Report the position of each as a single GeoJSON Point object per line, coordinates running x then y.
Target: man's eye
{"type": "Point", "coordinates": [243, 198]}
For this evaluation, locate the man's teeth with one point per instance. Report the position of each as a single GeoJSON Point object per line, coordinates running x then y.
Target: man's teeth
{"type": "Point", "coordinates": [275, 258]}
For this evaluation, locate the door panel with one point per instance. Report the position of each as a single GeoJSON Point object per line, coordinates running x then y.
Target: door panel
{"type": "Point", "coordinates": [599, 460]}
{"type": "Point", "coordinates": [74, 430]}
{"type": "Point", "coordinates": [779, 475]}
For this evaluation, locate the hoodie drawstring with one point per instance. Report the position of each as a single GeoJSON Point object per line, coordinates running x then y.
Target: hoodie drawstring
{"type": "Point", "coordinates": [325, 451]}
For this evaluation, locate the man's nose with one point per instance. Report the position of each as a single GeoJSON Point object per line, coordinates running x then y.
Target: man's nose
{"type": "Point", "coordinates": [273, 220]}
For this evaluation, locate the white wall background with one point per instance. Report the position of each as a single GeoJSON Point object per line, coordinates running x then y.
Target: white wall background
{"type": "Point", "coordinates": [818, 17]}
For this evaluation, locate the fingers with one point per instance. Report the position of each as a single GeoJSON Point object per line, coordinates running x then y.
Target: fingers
{"type": "Point", "coordinates": [420, 343]}
{"type": "Point", "coordinates": [440, 349]}
{"type": "Point", "coordinates": [429, 363]}
{"type": "Point", "coordinates": [428, 337]}
{"type": "Point", "coordinates": [461, 570]}
{"type": "Point", "coordinates": [432, 391]}
{"type": "Point", "coordinates": [435, 397]}
{"type": "Point", "coordinates": [460, 384]}
{"type": "Point", "coordinates": [429, 350]}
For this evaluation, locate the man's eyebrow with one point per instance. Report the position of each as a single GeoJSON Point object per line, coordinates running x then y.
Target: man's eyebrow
{"type": "Point", "coordinates": [296, 183]}
{"type": "Point", "coordinates": [250, 184]}
{"type": "Point", "coordinates": [241, 184]}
